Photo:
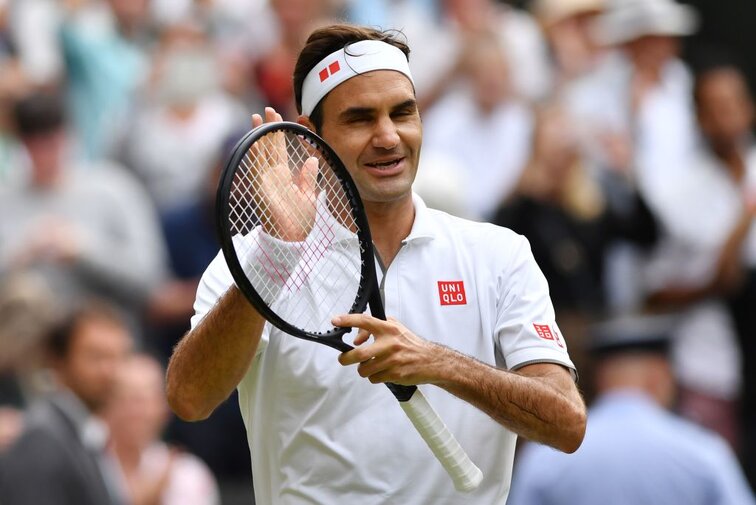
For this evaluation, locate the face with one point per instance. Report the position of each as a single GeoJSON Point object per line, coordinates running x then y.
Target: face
{"type": "Point", "coordinates": [652, 52]}
{"type": "Point", "coordinates": [373, 124]}
{"type": "Point", "coordinates": [46, 152]}
{"type": "Point", "coordinates": [97, 349]}
{"type": "Point", "coordinates": [725, 108]}
{"type": "Point", "coordinates": [130, 12]}
{"type": "Point", "coordinates": [137, 411]}
{"type": "Point", "coordinates": [489, 75]}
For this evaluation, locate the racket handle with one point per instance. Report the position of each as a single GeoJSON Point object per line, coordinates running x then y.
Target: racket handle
{"type": "Point", "coordinates": [463, 472]}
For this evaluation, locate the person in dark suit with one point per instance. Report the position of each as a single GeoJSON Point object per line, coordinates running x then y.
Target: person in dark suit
{"type": "Point", "coordinates": [61, 457]}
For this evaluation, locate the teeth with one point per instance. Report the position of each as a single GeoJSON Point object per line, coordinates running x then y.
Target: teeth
{"type": "Point", "coordinates": [384, 164]}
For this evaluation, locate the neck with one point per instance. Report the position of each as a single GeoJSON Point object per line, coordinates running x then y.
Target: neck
{"type": "Point", "coordinates": [129, 455]}
{"type": "Point", "coordinates": [732, 157]}
{"type": "Point", "coordinates": [390, 223]}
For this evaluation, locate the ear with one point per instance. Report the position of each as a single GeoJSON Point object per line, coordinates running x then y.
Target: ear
{"type": "Point", "coordinates": [305, 121]}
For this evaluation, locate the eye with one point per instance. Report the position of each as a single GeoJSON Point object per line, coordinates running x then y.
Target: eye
{"type": "Point", "coordinates": [404, 113]}
{"type": "Point", "coordinates": [358, 120]}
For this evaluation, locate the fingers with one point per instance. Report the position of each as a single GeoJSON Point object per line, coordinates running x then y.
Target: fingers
{"type": "Point", "coordinates": [271, 116]}
{"type": "Point", "coordinates": [368, 325]}
{"type": "Point", "coordinates": [362, 321]}
{"type": "Point", "coordinates": [308, 178]}
{"type": "Point", "coordinates": [362, 337]}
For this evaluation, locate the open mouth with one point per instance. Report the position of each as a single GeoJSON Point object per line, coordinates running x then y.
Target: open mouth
{"type": "Point", "coordinates": [386, 165]}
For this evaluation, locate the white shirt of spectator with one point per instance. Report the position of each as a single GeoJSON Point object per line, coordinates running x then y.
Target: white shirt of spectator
{"type": "Point", "coordinates": [319, 433]}
{"type": "Point", "coordinates": [698, 212]}
{"type": "Point", "coordinates": [490, 149]}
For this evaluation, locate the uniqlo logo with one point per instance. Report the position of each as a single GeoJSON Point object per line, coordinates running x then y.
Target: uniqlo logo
{"type": "Point", "coordinates": [329, 71]}
{"type": "Point", "coordinates": [544, 331]}
{"type": "Point", "coordinates": [452, 293]}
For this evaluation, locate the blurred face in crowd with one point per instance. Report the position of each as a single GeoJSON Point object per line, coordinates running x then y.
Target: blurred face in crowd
{"type": "Point", "coordinates": [97, 348]}
{"type": "Point", "coordinates": [725, 107]}
{"type": "Point", "coordinates": [46, 152]}
{"type": "Point", "coordinates": [651, 52]}
{"type": "Point", "coordinates": [130, 13]}
{"type": "Point", "coordinates": [488, 73]}
{"type": "Point", "coordinates": [373, 124]}
{"type": "Point", "coordinates": [555, 143]}
{"type": "Point", "coordinates": [137, 411]}
{"type": "Point", "coordinates": [471, 15]}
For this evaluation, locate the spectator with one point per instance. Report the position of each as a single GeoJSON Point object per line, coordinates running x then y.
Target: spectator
{"type": "Point", "coordinates": [705, 245]}
{"type": "Point", "coordinates": [155, 473]}
{"type": "Point", "coordinates": [635, 451]}
{"type": "Point", "coordinates": [106, 47]}
{"type": "Point", "coordinates": [563, 209]}
{"type": "Point", "coordinates": [566, 25]}
{"type": "Point", "coordinates": [61, 457]}
{"type": "Point", "coordinates": [93, 233]}
{"type": "Point", "coordinates": [27, 313]}
{"type": "Point", "coordinates": [172, 143]}
{"type": "Point", "coordinates": [490, 134]}
{"type": "Point", "coordinates": [515, 30]}
{"type": "Point", "coordinates": [635, 110]}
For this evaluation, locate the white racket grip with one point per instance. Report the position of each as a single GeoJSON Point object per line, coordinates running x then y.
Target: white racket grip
{"type": "Point", "coordinates": [463, 472]}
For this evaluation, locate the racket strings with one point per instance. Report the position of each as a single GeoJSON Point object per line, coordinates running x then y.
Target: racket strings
{"type": "Point", "coordinates": [297, 231]}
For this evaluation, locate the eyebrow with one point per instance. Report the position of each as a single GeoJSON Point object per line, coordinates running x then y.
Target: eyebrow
{"type": "Point", "coordinates": [359, 112]}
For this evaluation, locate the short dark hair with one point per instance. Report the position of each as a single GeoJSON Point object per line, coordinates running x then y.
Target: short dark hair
{"type": "Point", "coordinates": [327, 40]}
{"type": "Point", "coordinates": [61, 336]}
{"type": "Point", "coordinates": [708, 61]}
{"type": "Point", "coordinates": [39, 113]}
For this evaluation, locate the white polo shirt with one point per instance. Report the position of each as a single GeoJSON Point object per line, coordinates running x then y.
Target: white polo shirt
{"type": "Point", "coordinates": [319, 433]}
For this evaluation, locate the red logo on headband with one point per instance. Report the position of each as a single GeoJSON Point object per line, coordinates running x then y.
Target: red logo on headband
{"type": "Point", "coordinates": [329, 71]}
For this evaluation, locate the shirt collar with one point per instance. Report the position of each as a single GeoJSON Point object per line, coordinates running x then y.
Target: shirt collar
{"type": "Point", "coordinates": [423, 227]}
{"type": "Point", "coordinates": [92, 431]}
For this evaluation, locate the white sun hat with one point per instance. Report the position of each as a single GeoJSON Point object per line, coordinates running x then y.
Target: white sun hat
{"type": "Point", "coordinates": [626, 20]}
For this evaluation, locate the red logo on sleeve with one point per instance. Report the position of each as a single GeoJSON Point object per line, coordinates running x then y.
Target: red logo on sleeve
{"type": "Point", "coordinates": [544, 331]}
{"type": "Point", "coordinates": [452, 293]}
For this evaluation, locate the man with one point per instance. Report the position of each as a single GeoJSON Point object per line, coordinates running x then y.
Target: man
{"type": "Point", "coordinates": [90, 230]}
{"type": "Point", "coordinates": [61, 457]}
{"type": "Point", "coordinates": [318, 433]}
{"type": "Point", "coordinates": [137, 413]}
{"type": "Point", "coordinates": [707, 247]}
{"type": "Point", "coordinates": [635, 451]}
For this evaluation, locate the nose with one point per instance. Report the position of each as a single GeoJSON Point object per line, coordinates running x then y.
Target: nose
{"type": "Point", "coordinates": [385, 135]}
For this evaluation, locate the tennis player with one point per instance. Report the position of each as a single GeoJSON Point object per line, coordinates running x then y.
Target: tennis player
{"type": "Point", "coordinates": [471, 322]}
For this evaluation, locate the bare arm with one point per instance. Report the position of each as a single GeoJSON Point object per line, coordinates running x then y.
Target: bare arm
{"type": "Point", "coordinates": [539, 402]}
{"type": "Point", "coordinates": [728, 273]}
{"type": "Point", "coordinates": [212, 359]}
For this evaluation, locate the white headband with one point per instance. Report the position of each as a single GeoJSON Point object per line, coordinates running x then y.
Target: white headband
{"type": "Point", "coordinates": [355, 59]}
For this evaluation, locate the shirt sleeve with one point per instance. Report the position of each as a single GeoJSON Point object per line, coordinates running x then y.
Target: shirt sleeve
{"type": "Point", "coordinates": [526, 330]}
{"type": "Point", "coordinates": [214, 283]}
{"type": "Point", "coordinates": [730, 482]}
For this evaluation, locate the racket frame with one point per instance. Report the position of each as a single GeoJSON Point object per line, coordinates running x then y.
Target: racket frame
{"type": "Point", "coordinates": [367, 288]}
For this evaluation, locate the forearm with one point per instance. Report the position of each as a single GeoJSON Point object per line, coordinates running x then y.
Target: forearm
{"type": "Point", "coordinates": [212, 359]}
{"type": "Point", "coordinates": [540, 402]}
{"type": "Point", "coordinates": [729, 265]}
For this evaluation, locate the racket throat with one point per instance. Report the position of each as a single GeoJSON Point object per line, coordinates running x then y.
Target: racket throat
{"type": "Point", "coordinates": [402, 393]}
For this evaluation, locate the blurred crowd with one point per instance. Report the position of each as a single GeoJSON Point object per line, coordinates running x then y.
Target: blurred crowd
{"type": "Point", "coordinates": [576, 123]}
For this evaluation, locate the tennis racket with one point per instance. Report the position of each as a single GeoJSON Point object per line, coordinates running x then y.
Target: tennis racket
{"type": "Point", "coordinates": [296, 239]}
